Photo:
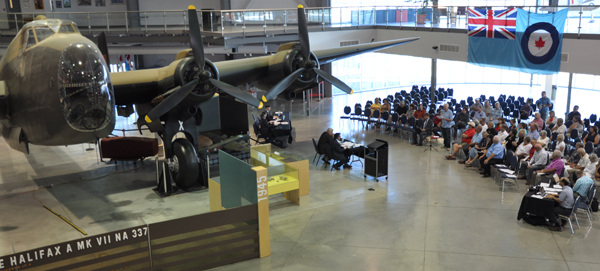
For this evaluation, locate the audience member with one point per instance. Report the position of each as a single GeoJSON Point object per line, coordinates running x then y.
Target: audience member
{"type": "Point", "coordinates": [493, 155]}
{"type": "Point", "coordinates": [591, 168]}
{"type": "Point", "coordinates": [556, 166]}
{"type": "Point", "coordinates": [475, 140]}
{"type": "Point", "coordinates": [592, 136]}
{"type": "Point", "coordinates": [423, 131]}
{"type": "Point", "coordinates": [437, 122]}
{"type": "Point", "coordinates": [386, 107]}
{"type": "Point", "coordinates": [574, 113]}
{"type": "Point", "coordinates": [411, 111]}
{"type": "Point", "coordinates": [544, 105]}
{"type": "Point", "coordinates": [496, 113]}
{"type": "Point", "coordinates": [560, 127]}
{"type": "Point", "coordinates": [420, 112]}
{"type": "Point", "coordinates": [560, 143]}
{"type": "Point", "coordinates": [337, 151]}
{"type": "Point", "coordinates": [526, 110]}
{"type": "Point", "coordinates": [462, 118]}
{"type": "Point", "coordinates": [503, 133]}
{"type": "Point", "coordinates": [533, 132]}
{"type": "Point", "coordinates": [522, 126]}
{"type": "Point", "coordinates": [402, 109]}
{"type": "Point", "coordinates": [479, 114]}
{"type": "Point", "coordinates": [324, 141]}
{"type": "Point", "coordinates": [511, 141]}
{"type": "Point", "coordinates": [552, 119]}
{"type": "Point", "coordinates": [584, 161]}
{"type": "Point", "coordinates": [538, 161]}
{"type": "Point", "coordinates": [491, 130]}
{"type": "Point", "coordinates": [582, 185]}
{"type": "Point", "coordinates": [467, 136]}
{"type": "Point", "coordinates": [524, 148]}
{"type": "Point", "coordinates": [447, 117]}
{"type": "Point", "coordinates": [577, 124]}
{"type": "Point", "coordinates": [477, 105]}
{"type": "Point", "coordinates": [565, 201]}
{"type": "Point", "coordinates": [574, 158]}
{"type": "Point", "coordinates": [538, 121]}
{"type": "Point", "coordinates": [499, 123]}
{"type": "Point", "coordinates": [513, 125]}
{"type": "Point", "coordinates": [476, 151]}
{"type": "Point", "coordinates": [487, 109]}
{"type": "Point", "coordinates": [543, 139]}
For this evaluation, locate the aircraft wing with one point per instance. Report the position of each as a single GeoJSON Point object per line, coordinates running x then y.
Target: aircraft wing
{"type": "Point", "coordinates": [329, 55]}
{"type": "Point", "coordinates": [139, 86]}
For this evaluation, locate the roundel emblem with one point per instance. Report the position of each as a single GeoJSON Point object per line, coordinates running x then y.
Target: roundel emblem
{"type": "Point", "coordinates": [540, 42]}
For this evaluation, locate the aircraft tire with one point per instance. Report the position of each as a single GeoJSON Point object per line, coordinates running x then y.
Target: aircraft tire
{"type": "Point", "coordinates": [186, 170]}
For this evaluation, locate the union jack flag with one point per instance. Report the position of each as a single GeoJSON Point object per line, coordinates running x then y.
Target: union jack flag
{"type": "Point", "coordinates": [498, 24]}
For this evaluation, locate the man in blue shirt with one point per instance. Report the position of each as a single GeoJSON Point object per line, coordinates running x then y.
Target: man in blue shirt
{"type": "Point", "coordinates": [582, 185]}
{"type": "Point", "coordinates": [533, 132]}
{"type": "Point", "coordinates": [479, 114]}
{"type": "Point", "coordinates": [565, 205]}
{"type": "Point", "coordinates": [447, 118]}
{"type": "Point", "coordinates": [544, 105]}
{"type": "Point", "coordinates": [493, 155]}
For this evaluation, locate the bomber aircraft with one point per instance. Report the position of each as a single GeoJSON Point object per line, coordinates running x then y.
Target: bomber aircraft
{"type": "Point", "coordinates": [56, 88]}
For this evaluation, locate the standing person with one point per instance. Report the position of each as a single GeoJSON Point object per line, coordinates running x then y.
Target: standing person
{"type": "Point", "coordinates": [574, 113]}
{"type": "Point", "coordinates": [338, 152]}
{"type": "Point", "coordinates": [423, 131]}
{"type": "Point", "coordinates": [565, 204]}
{"type": "Point", "coordinates": [544, 105]}
{"type": "Point", "coordinates": [447, 117]}
{"type": "Point", "coordinates": [493, 155]}
{"type": "Point", "coordinates": [324, 141]}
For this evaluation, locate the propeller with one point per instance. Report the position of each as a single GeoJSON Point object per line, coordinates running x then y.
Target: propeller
{"type": "Point", "coordinates": [202, 77]}
{"type": "Point", "coordinates": [307, 64]}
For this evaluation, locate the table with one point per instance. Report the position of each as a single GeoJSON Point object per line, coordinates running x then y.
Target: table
{"type": "Point", "coordinates": [283, 125]}
{"type": "Point", "coordinates": [353, 149]}
{"type": "Point", "coordinates": [535, 206]}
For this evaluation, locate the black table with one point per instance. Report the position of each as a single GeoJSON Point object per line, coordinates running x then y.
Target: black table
{"type": "Point", "coordinates": [539, 207]}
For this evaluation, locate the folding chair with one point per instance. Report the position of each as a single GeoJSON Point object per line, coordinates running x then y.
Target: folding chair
{"type": "Point", "coordinates": [317, 153]}
{"type": "Point", "coordinates": [587, 206]}
{"type": "Point", "coordinates": [258, 134]}
{"type": "Point", "coordinates": [346, 116]}
{"type": "Point", "coordinates": [573, 214]}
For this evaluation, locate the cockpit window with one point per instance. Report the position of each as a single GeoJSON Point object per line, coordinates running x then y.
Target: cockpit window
{"type": "Point", "coordinates": [29, 38]}
{"type": "Point", "coordinates": [66, 28]}
{"type": "Point", "coordinates": [43, 32]}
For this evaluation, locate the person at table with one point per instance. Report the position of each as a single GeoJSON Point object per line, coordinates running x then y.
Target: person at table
{"type": "Point", "coordinates": [423, 131]}
{"type": "Point", "coordinates": [493, 156]}
{"type": "Point", "coordinates": [551, 120]}
{"type": "Point", "coordinates": [591, 168]}
{"type": "Point", "coordinates": [533, 131]}
{"type": "Point", "coordinates": [538, 121]}
{"type": "Point", "coordinates": [565, 204]}
{"type": "Point", "coordinates": [525, 111]}
{"type": "Point", "coordinates": [592, 136]}
{"type": "Point", "coordinates": [495, 114]}
{"type": "Point", "coordinates": [324, 141]}
{"type": "Point", "coordinates": [543, 139]}
{"type": "Point", "coordinates": [584, 161]}
{"type": "Point", "coordinates": [477, 150]}
{"type": "Point", "coordinates": [266, 128]}
{"type": "Point", "coordinates": [337, 151]}
{"type": "Point", "coordinates": [574, 113]}
{"type": "Point", "coordinates": [544, 104]}
{"type": "Point", "coordinates": [577, 124]}
{"type": "Point", "coordinates": [560, 143]}
{"type": "Point", "coordinates": [582, 185]}
{"type": "Point", "coordinates": [511, 141]}
{"type": "Point", "coordinates": [524, 148]}
{"type": "Point", "coordinates": [447, 118]}
{"type": "Point", "coordinates": [467, 136]}
{"type": "Point", "coordinates": [420, 113]}
{"type": "Point", "coordinates": [537, 162]}
{"type": "Point", "coordinates": [560, 127]}
{"type": "Point", "coordinates": [268, 111]}
{"type": "Point", "coordinates": [556, 166]}
{"type": "Point", "coordinates": [479, 114]}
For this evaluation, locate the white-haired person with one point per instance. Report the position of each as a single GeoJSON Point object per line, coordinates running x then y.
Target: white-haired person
{"type": "Point", "coordinates": [543, 140]}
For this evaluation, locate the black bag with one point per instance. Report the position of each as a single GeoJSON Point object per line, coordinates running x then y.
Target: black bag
{"type": "Point", "coordinates": [535, 220]}
{"type": "Point", "coordinates": [594, 205]}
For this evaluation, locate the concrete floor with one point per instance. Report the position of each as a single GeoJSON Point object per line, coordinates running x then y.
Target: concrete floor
{"type": "Point", "coordinates": [431, 214]}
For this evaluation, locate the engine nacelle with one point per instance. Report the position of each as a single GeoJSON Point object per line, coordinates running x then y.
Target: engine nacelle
{"type": "Point", "coordinates": [286, 62]}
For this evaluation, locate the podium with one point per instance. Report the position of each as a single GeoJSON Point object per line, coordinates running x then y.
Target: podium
{"type": "Point", "coordinates": [376, 159]}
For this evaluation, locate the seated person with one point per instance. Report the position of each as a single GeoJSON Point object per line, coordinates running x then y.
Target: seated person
{"type": "Point", "coordinates": [423, 131]}
{"type": "Point", "coordinates": [268, 111]}
{"type": "Point", "coordinates": [511, 141]}
{"type": "Point", "coordinates": [499, 123]}
{"type": "Point", "coordinates": [338, 152]}
{"type": "Point", "coordinates": [526, 110]}
{"type": "Point", "coordinates": [538, 121]}
{"type": "Point", "coordinates": [420, 112]}
{"type": "Point", "coordinates": [324, 141]}
{"type": "Point", "coordinates": [574, 113]}
{"type": "Point", "coordinates": [543, 139]}
{"type": "Point", "coordinates": [462, 119]}
{"type": "Point", "coordinates": [584, 161]}
{"type": "Point", "coordinates": [533, 132]}
{"type": "Point", "coordinates": [494, 155]}
{"type": "Point", "coordinates": [560, 144]}
{"type": "Point", "coordinates": [574, 158]}
{"type": "Point", "coordinates": [476, 105]}
{"type": "Point", "coordinates": [592, 136]}
{"type": "Point", "coordinates": [437, 122]}
{"type": "Point", "coordinates": [555, 167]}
{"type": "Point", "coordinates": [476, 151]}
{"type": "Point", "coordinates": [266, 128]}
{"type": "Point", "coordinates": [582, 185]}
{"type": "Point", "coordinates": [503, 132]}
{"type": "Point", "coordinates": [479, 114]}
{"type": "Point", "coordinates": [522, 127]}
{"type": "Point", "coordinates": [552, 119]}
{"type": "Point", "coordinates": [402, 109]}
{"type": "Point", "coordinates": [513, 125]}
{"type": "Point", "coordinates": [491, 129]}
{"type": "Point", "coordinates": [577, 124]}
{"type": "Point", "coordinates": [565, 204]}
{"type": "Point", "coordinates": [496, 113]}
{"type": "Point", "coordinates": [589, 170]}
{"type": "Point", "coordinates": [524, 148]}
{"type": "Point", "coordinates": [537, 162]}
{"type": "Point", "coordinates": [487, 109]}
{"type": "Point", "coordinates": [467, 136]}
{"type": "Point", "coordinates": [560, 127]}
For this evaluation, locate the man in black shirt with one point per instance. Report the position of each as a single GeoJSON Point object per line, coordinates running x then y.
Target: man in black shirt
{"type": "Point", "coordinates": [268, 110]}
{"type": "Point", "coordinates": [574, 113]}
{"type": "Point", "coordinates": [339, 153]}
{"type": "Point", "coordinates": [323, 141]}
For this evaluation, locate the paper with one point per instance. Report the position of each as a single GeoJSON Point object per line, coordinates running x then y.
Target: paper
{"type": "Point", "coordinates": [537, 197]}
{"type": "Point", "coordinates": [545, 185]}
{"type": "Point", "coordinates": [552, 193]}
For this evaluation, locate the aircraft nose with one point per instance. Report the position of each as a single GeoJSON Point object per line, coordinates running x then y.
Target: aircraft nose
{"type": "Point", "coordinates": [85, 88]}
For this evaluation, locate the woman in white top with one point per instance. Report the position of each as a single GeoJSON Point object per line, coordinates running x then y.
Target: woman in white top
{"type": "Point", "coordinates": [560, 144]}
{"type": "Point", "coordinates": [560, 127]}
{"type": "Point", "coordinates": [543, 139]}
{"type": "Point", "coordinates": [590, 170]}
{"type": "Point", "coordinates": [577, 124]}
{"type": "Point", "coordinates": [552, 119]}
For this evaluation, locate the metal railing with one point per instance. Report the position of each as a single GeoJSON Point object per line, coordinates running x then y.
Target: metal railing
{"type": "Point", "coordinates": [260, 21]}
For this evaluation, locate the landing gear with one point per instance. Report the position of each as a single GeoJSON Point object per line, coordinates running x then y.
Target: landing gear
{"type": "Point", "coordinates": [185, 163]}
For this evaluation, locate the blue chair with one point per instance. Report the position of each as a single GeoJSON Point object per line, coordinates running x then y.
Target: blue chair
{"type": "Point", "coordinates": [587, 206]}
{"type": "Point", "coordinates": [589, 147]}
{"type": "Point", "coordinates": [593, 118]}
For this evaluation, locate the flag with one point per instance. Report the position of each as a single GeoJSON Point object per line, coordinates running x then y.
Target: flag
{"type": "Point", "coordinates": [536, 47]}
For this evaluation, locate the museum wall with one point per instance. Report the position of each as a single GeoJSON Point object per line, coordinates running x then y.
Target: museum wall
{"type": "Point", "coordinates": [76, 6]}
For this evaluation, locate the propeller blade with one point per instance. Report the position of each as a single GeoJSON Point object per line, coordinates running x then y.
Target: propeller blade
{"type": "Point", "coordinates": [303, 33]}
{"type": "Point", "coordinates": [196, 37]}
{"type": "Point", "coordinates": [237, 93]}
{"type": "Point", "coordinates": [170, 102]}
{"type": "Point", "coordinates": [282, 85]}
{"type": "Point", "coordinates": [334, 81]}
{"type": "Point", "coordinates": [103, 46]}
